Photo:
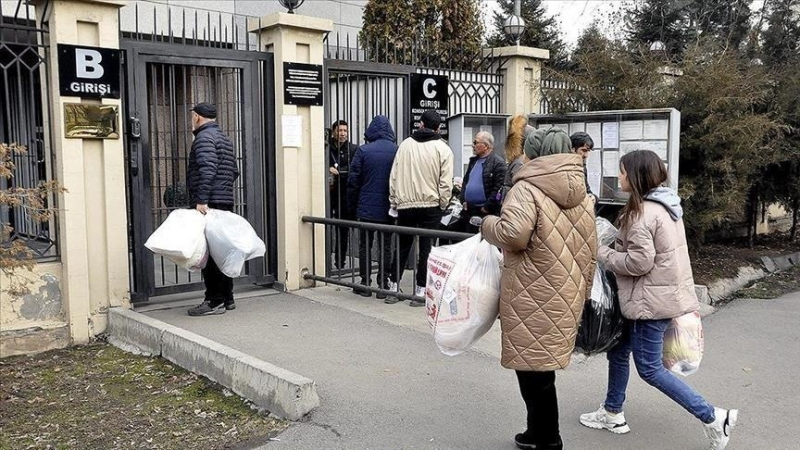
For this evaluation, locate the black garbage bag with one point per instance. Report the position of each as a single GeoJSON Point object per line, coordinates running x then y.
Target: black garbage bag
{"type": "Point", "coordinates": [601, 323]}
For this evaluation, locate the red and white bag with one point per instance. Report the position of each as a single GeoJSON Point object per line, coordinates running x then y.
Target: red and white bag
{"type": "Point", "coordinates": [462, 295]}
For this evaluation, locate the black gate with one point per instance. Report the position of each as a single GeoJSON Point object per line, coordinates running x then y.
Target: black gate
{"type": "Point", "coordinates": [164, 81]}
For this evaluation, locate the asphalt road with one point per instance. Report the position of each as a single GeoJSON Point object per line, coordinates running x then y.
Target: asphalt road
{"type": "Point", "coordinates": [384, 384]}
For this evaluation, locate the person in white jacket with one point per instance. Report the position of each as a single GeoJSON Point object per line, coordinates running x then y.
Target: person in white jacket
{"type": "Point", "coordinates": [420, 186]}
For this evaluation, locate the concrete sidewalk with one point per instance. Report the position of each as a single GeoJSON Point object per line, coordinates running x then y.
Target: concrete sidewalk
{"type": "Point", "coordinates": [384, 385]}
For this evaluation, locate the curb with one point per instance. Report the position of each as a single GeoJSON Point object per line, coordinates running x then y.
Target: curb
{"type": "Point", "coordinates": [725, 287]}
{"type": "Point", "coordinates": [281, 392]}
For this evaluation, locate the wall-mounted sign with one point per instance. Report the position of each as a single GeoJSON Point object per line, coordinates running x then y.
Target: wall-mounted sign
{"type": "Point", "coordinates": [302, 84]}
{"type": "Point", "coordinates": [430, 92]}
{"type": "Point", "coordinates": [83, 121]}
{"type": "Point", "coordinates": [88, 72]}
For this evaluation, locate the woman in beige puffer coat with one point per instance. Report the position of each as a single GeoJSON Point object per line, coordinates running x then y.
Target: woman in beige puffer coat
{"type": "Point", "coordinates": [654, 275]}
{"type": "Point", "coordinates": [546, 229]}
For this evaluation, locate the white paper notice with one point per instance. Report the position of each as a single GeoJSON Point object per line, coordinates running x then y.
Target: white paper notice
{"type": "Point", "coordinates": [576, 127]}
{"type": "Point", "coordinates": [593, 130]}
{"type": "Point", "coordinates": [594, 172]}
{"type": "Point", "coordinates": [466, 150]}
{"type": "Point", "coordinates": [631, 130]}
{"type": "Point", "coordinates": [610, 164]}
{"type": "Point", "coordinates": [625, 147]}
{"type": "Point", "coordinates": [292, 131]}
{"type": "Point", "coordinates": [656, 129]}
{"type": "Point", "coordinates": [610, 135]}
{"type": "Point", "coordinates": [660, 147]}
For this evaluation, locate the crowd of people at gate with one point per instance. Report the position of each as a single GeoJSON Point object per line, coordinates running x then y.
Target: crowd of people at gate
{"type": "Point", "coordinates": [412, 185]}
{"type": "Point", "coordinates": [535, 206]}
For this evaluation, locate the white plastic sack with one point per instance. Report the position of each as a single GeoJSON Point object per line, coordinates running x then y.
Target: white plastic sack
{"type": "Point", "coordinates": [181, 239]}
{"type": "Point", "coordinates": [462, 295]}
{"type": "Point", "coordinates": [606, 232]}
{"type": "Point", "coordinates": [683, 344]}
{"type": "Point", "coordinates": [232, 241]}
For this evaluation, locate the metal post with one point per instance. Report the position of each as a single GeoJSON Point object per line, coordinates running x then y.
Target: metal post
{"type": "Point", "coordinates": [518, 13]}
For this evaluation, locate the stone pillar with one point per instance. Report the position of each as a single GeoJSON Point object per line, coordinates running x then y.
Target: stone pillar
{"type": "Point", "coordinates": [93, 227]}
{"type": "Point", "coordinates": [521, 74]}
{"type": "Point", "coordinates": [301, 171]}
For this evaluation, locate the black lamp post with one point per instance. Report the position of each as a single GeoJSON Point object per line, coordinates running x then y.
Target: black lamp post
{"type": "Point", "coordinates": [291, 5]}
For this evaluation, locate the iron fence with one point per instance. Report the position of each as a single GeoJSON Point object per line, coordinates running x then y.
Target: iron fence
{"type": "Point", "coordinates": [415, 52]}
{"type": "Point", "coordinates": [549, 105]}
{"type": "Point", "coordinates": [472, 92]}
{"type": "Point", "coordinates": [24, 115]}
{"type": "Point", "coordinates": [372, 258]}
{"type": "Point", "coordinates": [191, 26]}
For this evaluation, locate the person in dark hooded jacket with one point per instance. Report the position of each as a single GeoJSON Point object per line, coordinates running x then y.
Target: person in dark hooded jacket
{"type": "Point", "coordinates": [368, 197]}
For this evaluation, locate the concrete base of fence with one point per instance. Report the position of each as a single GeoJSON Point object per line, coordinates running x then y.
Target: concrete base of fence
{"type": "Point", "coordinates": [283, 393]}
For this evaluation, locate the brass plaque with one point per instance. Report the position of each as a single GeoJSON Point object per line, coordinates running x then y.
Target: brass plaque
{"type": "Point", "coordinates": [84, 121]}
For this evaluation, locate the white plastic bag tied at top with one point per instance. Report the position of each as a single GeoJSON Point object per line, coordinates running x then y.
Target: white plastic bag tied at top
{"type": "Point", "coordinates": [462, 295]}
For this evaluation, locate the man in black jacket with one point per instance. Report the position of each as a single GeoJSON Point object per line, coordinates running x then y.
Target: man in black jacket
{"type": "Point", "coordinates": [210, 179]}
{"type": "Point", "coordinates": [340, 153]}
{"type": "Point", "coordinates": [483, 181]}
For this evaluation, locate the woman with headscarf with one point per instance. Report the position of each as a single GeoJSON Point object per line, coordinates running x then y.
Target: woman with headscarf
{"type": "Point", "coordinates": [547, 232]}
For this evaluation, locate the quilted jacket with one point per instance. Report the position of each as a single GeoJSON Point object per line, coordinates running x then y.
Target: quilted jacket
{"type": "Point", "coordinates": [212, 170]}
{"type": "Point", "coordinates": [651, 260]}
{"type": "Point", "coordinates": [546, 229]}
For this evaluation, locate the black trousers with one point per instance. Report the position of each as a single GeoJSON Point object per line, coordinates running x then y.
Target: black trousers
{"type": "Point", "coordinates": [219, 287]}
{"type": "Point", "coordinates": [384, 243]}
{"type": "Point", "coordinates": [425, 218]}
{"type": "Point", "coordinates": [339, 210]}
{"type": "Point", "coordinates": [538, 389]}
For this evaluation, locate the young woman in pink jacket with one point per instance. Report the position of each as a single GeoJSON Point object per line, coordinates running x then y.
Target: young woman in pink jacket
{"type": "Point", "coordinates": [654, 275]}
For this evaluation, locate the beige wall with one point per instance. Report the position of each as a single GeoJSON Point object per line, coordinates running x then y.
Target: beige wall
{"type": "Point", "coordinates": [300, 171]}
{"type": "Point", "coordinates": [521, 71]}
{"type": "Point", "coordinates": [93, 273]}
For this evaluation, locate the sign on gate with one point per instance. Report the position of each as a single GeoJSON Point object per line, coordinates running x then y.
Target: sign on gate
{"type": "Point", "coordinates": [430, 92]}
{"type": "Point", "coordinates": [302, 84]}
{"type": "Point", "coordinates": [88, 72]}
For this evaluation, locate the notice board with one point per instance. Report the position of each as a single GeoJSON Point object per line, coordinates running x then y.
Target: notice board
{"type": "Point", "coordinates": [615, 133]}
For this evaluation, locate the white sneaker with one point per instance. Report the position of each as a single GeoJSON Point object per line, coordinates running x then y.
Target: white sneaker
{"type": "Point", "coordinates": [602, 419]}
{"type": "Point", "coordinates": [719, 431]}
{"type": "Point", "coordinates": [419, 291]}
{"type": "Point", "coordinates": [391, 286]}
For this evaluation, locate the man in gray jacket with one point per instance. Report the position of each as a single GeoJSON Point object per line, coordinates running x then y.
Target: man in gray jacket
{"type": "Point", "coordinates": [420, 186]}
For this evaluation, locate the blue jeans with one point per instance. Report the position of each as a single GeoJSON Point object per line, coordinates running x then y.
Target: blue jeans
{"type": "Point", "coordinates": [645, 339]}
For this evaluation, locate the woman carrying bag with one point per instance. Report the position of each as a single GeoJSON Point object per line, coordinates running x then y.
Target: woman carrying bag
{"type": "Point", "coordinates": [547, 232]}
{"type": "Point", "coordinates": [654, 275]}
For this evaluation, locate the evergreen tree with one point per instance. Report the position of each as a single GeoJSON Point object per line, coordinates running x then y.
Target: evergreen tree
{"type": "Point", "coordinates": [782, 37]}
{"type": "Point", "coordinates": [648, 21]}
{"type": "Point", "coordinates": [723, 21]}
{"type": "Point", "coordinates": [461, 30]}
{"type": "Point", "coordinates": [445, 32]}
{"type": "Point", "coordinates": [541, 30]}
